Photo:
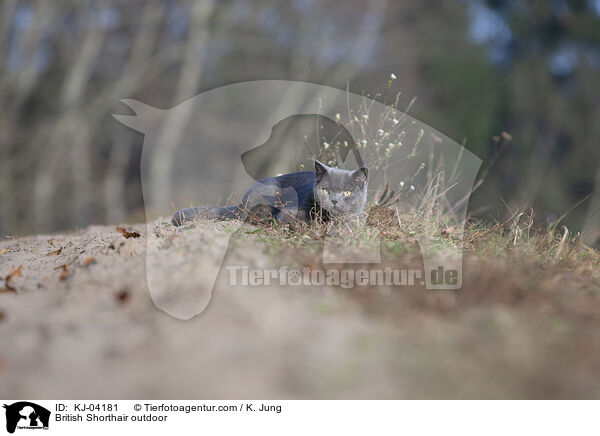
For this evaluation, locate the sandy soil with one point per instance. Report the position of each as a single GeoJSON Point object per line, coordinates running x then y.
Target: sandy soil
{"type": "Point", "coordinates": [92, 331]}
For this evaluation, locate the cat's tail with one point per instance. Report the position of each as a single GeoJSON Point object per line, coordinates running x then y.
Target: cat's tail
{"type": "Point", "coordinates": [214, 213]}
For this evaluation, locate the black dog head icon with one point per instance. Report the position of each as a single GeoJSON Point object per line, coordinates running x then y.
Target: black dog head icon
{"type": "Point", "coordinates": [32, 414]}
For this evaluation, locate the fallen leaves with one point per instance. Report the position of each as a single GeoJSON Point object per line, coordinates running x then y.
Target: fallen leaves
{"type": "Point", "coordinates": [8, 280]}
{"type": "Point", "coordinates": [15, 272]}
{"type": "Point", "coordinates": [127, 234]}
{"type": "Point", "coordinates": [88, 261]}
{"type": "Point", "coordinates": [122, 296]}
{"type": "Point", "coordinates": [64, 275]}
{"type": "Point", "coordinates": [55, 252]}
{"type": "Point", "coordinates": [448, 232]}
{"type": "Point", "coordinates": [4, 250]}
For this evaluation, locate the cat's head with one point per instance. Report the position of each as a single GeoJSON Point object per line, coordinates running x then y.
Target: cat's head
{"type": "Point", "coordinates": [341, 192]}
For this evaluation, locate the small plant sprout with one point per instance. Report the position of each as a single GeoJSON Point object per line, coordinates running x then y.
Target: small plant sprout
{"type": "Point", "coordinates": [401, 185]}
{"type": "Point", "coordinates": [325, 145]}
{"type": "Point", "coordinates": [363, 142]}
{"type": "Point", "coordinates": [392, 78]}
{"type": "Point", "coordinates": [338, 117]}
{"type": "Point", "coordinates": [412, 187]}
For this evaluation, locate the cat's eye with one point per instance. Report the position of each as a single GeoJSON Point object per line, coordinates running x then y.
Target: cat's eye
{"type": "Point", "coordinates": [347, 193]}
{"type": "Point", "coordinates": [325, 190]}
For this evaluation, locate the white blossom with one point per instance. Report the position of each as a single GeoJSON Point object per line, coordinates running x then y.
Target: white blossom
{"type": "Point", "coordinates": [393, 76]}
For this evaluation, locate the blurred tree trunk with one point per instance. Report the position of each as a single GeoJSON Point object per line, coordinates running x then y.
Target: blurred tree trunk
{"type": "Point", "coordinates": [80, 153]}
{"type": "Point", "coordinates": [15, 89]}
{"type": "Point", "coordinates": [72, 133]}
{"type": "Point", "coordinates": [8, 210]}
{"type": "Point", "coordinates": [187, 86]}
{"type": "Point", "coordinates": [142, 49]}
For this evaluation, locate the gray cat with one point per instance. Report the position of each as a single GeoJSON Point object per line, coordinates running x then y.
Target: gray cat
{"type": "Point", "coordinates": [326, 193]}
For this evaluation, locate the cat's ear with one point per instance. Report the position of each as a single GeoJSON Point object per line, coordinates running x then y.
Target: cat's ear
{"type": "Point", "coordinates": [321, 169]}
{"type": "Point", "coordinates": [361, 176]}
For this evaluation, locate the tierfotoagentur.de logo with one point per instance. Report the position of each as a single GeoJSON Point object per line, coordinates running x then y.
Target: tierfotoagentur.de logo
{"type": "Point", "coordinates": [24, 415]}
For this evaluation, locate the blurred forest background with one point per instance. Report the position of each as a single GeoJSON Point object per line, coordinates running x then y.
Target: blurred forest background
{"type": "Point", "coordinates": [477, 68]}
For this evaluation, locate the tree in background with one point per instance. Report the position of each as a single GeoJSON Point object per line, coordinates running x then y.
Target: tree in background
{"type": "Point", "coordinates": [477, 68]}
{"type": "Point", "coordinates": [540, 84]}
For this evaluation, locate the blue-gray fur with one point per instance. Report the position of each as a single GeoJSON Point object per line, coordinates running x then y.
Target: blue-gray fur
{"type": "Point", "coordinates": [300, 196]}
{"type": "Point", "coordinates": [332, 185]}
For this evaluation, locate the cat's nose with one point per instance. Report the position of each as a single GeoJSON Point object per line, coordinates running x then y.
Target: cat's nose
{"type": "Point", "coordinates": [334, 201]}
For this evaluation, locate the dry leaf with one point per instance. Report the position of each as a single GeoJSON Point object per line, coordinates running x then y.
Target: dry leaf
{"type": "Point", "coordinates": [55, 252]}
{"type": "Point", "coordinates": [122, 296]}
{"type": "Point", "coordinates": [448, 231]}
{"type": "Point", "coordinates": [14, 273]}
{"type": "Point", "coordinates": [4, 250]}
{"type": "Point", "coordinates": [173, 236]}
{"type": "Point", "coordinates": [88, 261]}
{"type": "Point", "coordinates": [127, 234]}
{"type": "Point", "coordinates": [64, 275]}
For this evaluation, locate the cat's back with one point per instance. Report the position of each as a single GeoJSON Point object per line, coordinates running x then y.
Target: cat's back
{"type": "Point", "coordinates": [291, 180]}
{"type": "Point", "coordinates": [302, 183]}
